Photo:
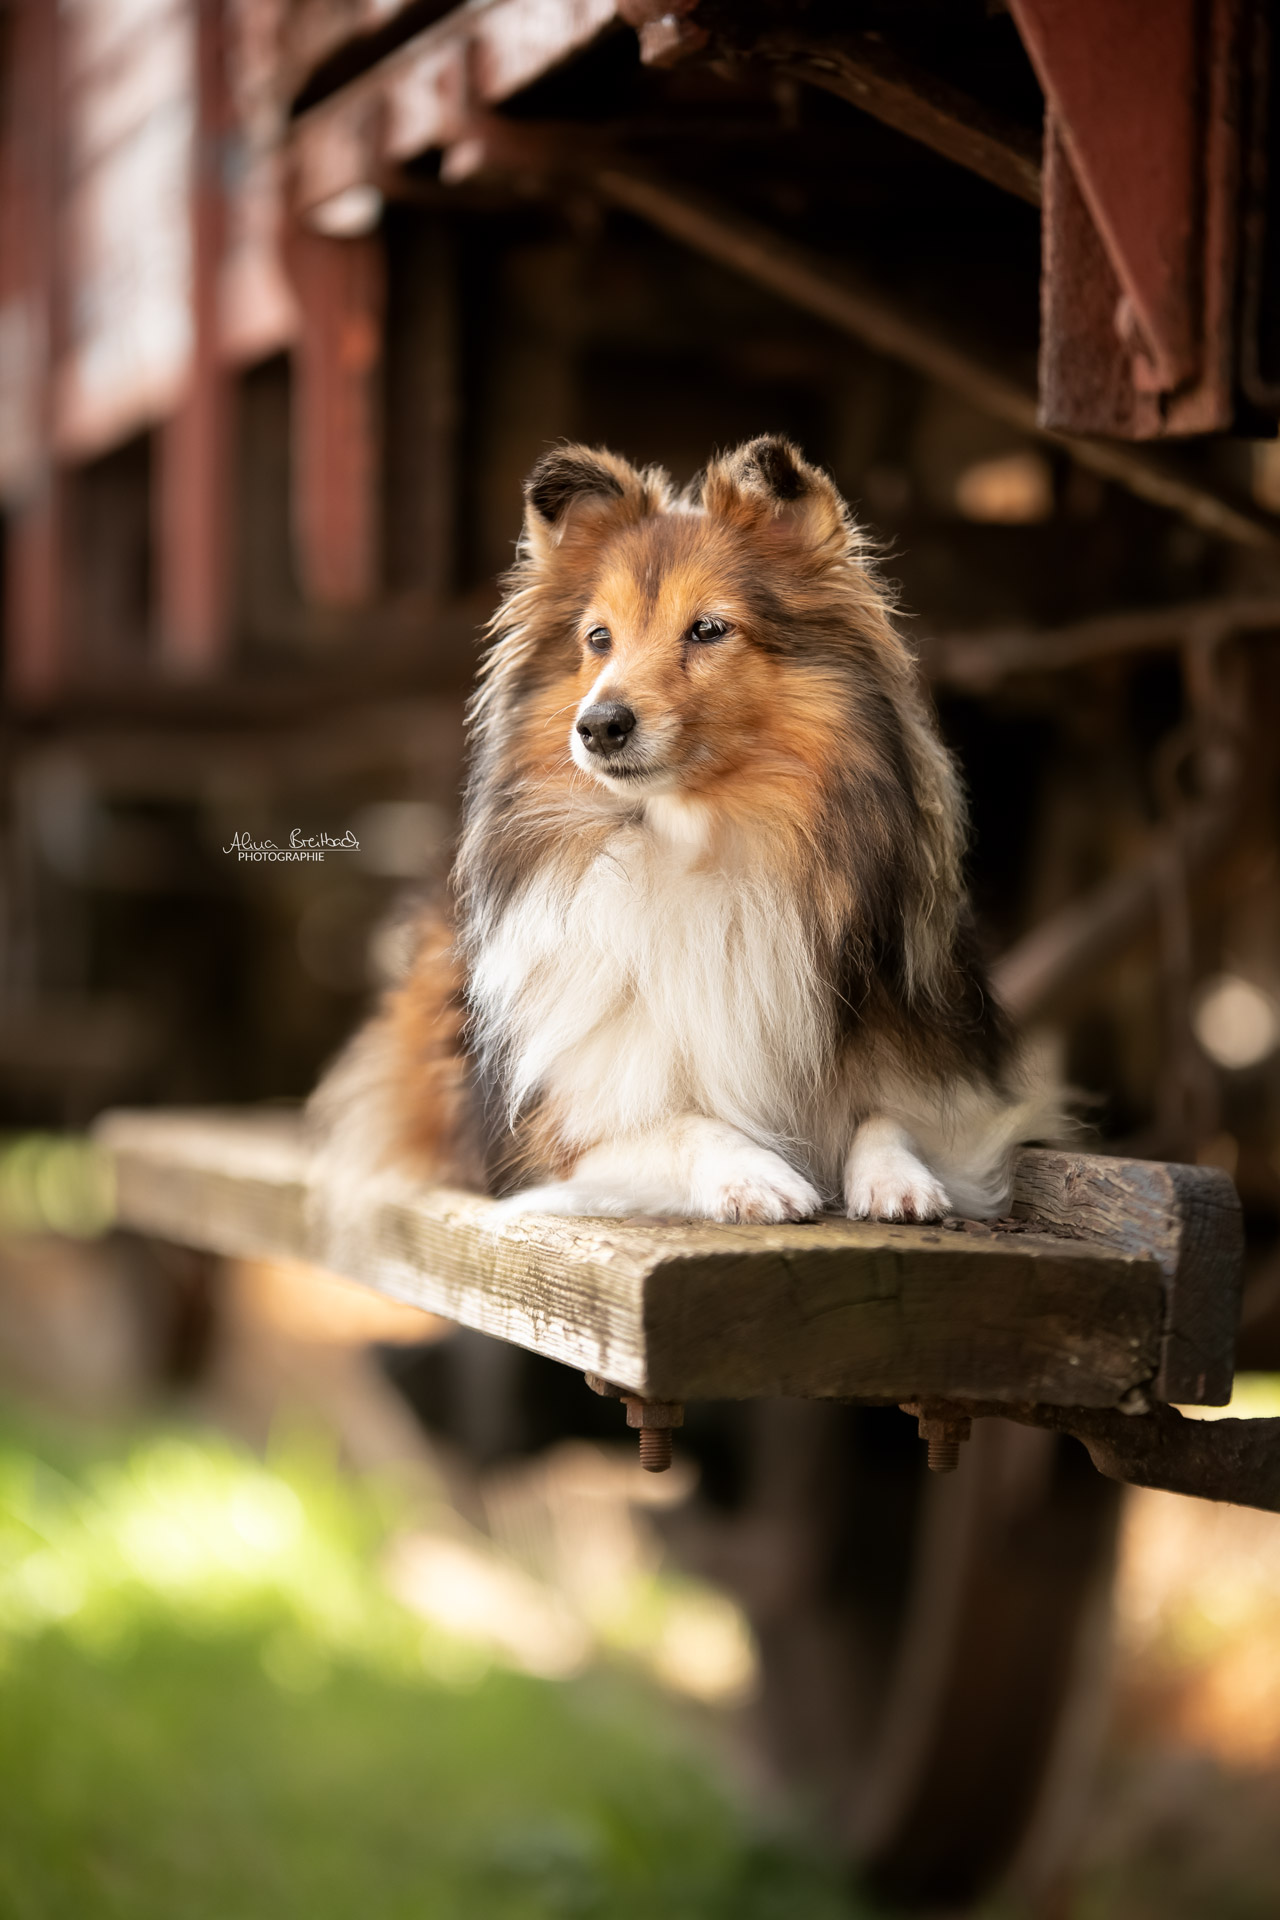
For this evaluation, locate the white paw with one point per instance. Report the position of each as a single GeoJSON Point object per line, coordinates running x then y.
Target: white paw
{"type": "Point", "coordinates": [752, 1186]}
{"type": "Point", "coordinates": [886, 1181]}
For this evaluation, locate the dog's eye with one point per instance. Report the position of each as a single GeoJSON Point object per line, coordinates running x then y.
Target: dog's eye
{"type": "Point", "coordinates": [707, 629]}
{"type": "Point", "coordinates": [599, 639]}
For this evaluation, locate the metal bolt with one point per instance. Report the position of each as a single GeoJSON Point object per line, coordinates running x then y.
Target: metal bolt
{"type": "Point", "coordinates": [943, 1434]}
{"type": "Point", "coordinates": [653, 1418]}
{"type": "Point", "coordinates": [655, 1449]}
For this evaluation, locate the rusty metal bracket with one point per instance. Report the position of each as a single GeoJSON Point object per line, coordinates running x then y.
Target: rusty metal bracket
{"type": "Point", "coordinates": [1233, 1460]}
{"type": "Point", "coordinates": [942, 1430]}
{"type": "Point", "coordinates": [1142, 180]}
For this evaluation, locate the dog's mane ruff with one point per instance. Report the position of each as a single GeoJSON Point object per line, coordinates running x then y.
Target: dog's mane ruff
{"type": "Point", "coordinates": [574, 497]}
{"type": "Point", "coordinates": [839, 591]}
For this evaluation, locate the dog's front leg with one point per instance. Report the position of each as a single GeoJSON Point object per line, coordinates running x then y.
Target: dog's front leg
{"type": "Point", "coordinates": [885, 1178]}
{"type": "Point", "coordinates": [693, 1167]}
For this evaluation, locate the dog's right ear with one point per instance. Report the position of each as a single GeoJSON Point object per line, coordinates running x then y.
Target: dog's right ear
{"type": "Point", "coordinates": [586, 490]}
{"type": "Point", "coordinates": [767, 482]}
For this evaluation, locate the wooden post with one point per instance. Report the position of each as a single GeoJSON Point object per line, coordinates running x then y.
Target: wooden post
{"type": "Point", "coordinates": [194, 445]}
{"type": "Point", "coordinates": [337, 437]}
{"type": "Point", "coordinates": [422, 429]}
{"type": "Point", "coordinates": [36, 572]}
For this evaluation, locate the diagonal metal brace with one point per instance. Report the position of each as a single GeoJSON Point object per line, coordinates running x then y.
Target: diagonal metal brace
{"type": "Point", "coordinates": [1232, 1460]}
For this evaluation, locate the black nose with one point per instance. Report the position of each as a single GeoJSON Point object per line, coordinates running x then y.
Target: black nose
{"type": "Point", "coordinates": [605, 729]}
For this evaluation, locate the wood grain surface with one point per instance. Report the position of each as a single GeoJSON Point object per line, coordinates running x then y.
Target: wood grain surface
{"type": "Point", "coordinates": [1116, 1275]}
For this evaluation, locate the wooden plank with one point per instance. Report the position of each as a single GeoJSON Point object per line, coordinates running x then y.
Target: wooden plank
{"type": "Point", "coordinates": [1076, 1315]}
{"type": "Point", "coordinates": [1188, 1218]}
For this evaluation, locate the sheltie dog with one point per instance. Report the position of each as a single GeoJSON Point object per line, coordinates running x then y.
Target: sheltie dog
{"type": "Point", "coordinates": [711, 954]}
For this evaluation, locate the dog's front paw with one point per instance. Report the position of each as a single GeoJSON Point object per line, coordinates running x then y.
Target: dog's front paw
{"type": "Point", "coordinates": [885, 1180]}
{"type": "Point", "coordinates": [752, 1186]}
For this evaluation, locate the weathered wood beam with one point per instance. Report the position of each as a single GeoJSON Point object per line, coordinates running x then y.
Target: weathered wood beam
{"type": "Point", "coordinates": [979, 662]}
{"type": "Point", "coordinates": [1115, 1277]}
{"type": "Point", "coordinates": [861, 69]}
{"type": "Point", "coordinates": [833, 294]}
{"type": "Point", "coordinates": [1058, 955]}
{"type": "Point", "coordinates": [1187, 1218]}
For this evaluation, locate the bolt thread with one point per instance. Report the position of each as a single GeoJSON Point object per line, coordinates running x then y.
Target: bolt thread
{"type": "Point", "coordinates": [655, 1449]}
{"type": "Point", "coordinates": [944, 1455]}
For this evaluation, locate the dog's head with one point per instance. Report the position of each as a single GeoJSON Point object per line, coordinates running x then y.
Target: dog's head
{"type": "Point", "coordinates": [672, 643]}
{"type": "Point", "coordinates": [731, 644]}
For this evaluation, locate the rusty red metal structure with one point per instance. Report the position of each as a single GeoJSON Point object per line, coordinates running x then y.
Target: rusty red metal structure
{"type": "Point", "coordinates": [192, 186]}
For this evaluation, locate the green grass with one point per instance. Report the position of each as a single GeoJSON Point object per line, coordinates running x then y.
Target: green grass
{"type": "Point", "coordinates": [210, 1709]}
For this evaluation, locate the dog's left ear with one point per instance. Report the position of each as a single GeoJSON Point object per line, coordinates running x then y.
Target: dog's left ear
{"type": "Point", "coordinates": [768, 480]}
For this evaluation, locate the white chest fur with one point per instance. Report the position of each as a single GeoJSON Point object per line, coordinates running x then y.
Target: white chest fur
{"type": "Point", "coordinates": [669, 977]}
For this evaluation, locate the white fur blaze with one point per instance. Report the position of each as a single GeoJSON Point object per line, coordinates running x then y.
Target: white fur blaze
{"type": "Point", "coordinates": [885, 1178]}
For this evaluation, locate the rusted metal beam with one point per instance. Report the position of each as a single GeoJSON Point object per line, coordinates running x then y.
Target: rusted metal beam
{"type": "Point", "coordinates": [422, 95]}
{"type": "Point", "coordinates": [36, 581]}
{"type": "Point", "coordinates": [1141, 212]}
{"type": "Point", "coordinates": [337, 415]}
{"type": "Point", "coordinates": [1233, 1460]}
{"type": "Point", "coordinates": [833, 294]}
{"type": "Point", "coordinates": [864, 71]}
{"type": "Point", "coordinates": [316, 30]}
{"type": "Point", "coordinates": [36, 573]}
{"type": "Point", "coordinates": [193, 480]}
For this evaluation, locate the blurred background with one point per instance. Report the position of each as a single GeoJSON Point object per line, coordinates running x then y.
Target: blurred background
{"type": "Point", "coordinates": [308, 1604]}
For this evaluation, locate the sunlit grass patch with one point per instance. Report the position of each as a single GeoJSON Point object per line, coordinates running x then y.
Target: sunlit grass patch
{"type": "Point", "coordinates": [210, 1704]}
{"type": "Point", "coordinates": [55, 1183]}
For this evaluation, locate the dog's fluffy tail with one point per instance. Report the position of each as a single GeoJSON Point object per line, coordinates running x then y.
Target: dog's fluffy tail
{"type": "Point", "coordinates": [970, 1136]}
{"type": "Point", "coordinates": [396, 1105]}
